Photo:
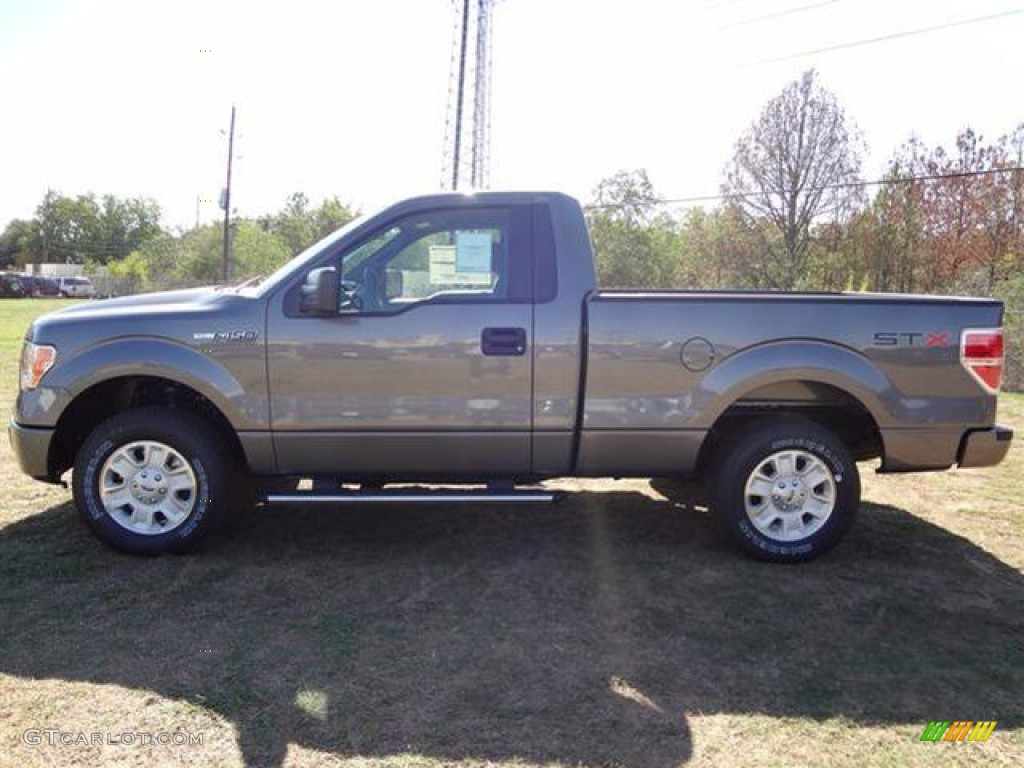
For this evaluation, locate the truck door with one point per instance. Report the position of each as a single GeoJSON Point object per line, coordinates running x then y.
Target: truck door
{"type": "Point", "coordinates": [427, 368]}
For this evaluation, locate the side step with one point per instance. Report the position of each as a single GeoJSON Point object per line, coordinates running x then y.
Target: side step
{"type": "Point", "coordinates": [400, 496]}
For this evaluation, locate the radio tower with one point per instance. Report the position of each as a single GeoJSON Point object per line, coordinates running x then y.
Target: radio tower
{"type": "Point", "coordinates": [467, 127]}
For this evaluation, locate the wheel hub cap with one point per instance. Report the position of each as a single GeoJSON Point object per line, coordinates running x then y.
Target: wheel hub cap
{"type": "Point", "coordinates": [790, 495]}
{"type": "Point", "coordinates": [147, 487]}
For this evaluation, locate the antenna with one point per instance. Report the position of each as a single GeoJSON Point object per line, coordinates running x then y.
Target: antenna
{"type": "Point", "coordinates": [466, 161]}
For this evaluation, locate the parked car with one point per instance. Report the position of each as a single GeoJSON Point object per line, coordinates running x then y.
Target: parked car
{"type": "Point", "coordinates": [463, 339]}
{"type": "Point", "coordinates": [10, 286]}
{"type": "Point", "coordinates": [47, 286]}
{"type": "Point", "coordinates": [77, 287]}
{"type": "Point", "coordinates": [38, 285]}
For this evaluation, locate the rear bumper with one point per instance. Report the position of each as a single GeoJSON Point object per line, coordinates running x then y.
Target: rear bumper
{"type": "Point", "coordinates": [31, 446]}
{"type": "Point", "coordinates": [984, 447]}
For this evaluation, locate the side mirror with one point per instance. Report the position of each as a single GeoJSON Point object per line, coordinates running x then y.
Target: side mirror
{"type": "Point", "coordinates": [320, 292]}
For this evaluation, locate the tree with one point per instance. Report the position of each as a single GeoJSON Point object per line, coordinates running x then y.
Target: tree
{"type": "Point", "coordinates": [634, 244]}
{"type": "Point", "coordinates": [717, 248]}
{"type": "Point", "coordinates": [293, 224]}
{"type": "Point", "coordinates": [257, 252]}
{"type": "Point", "coordinates": [17, 243]}
{"type": "Point", "coordinates": [125, 224]}
{"type": "Point", "coordinates": [628, 196]}
{"type": "Point", "coordinates": [299, 226]}
{"type": "Point", "coordinates": [1012, 293]}
{"type": "Point", "coordinates": [956, 215]}
{"type": "Point", "coordinates": [82, 228]}
{"type": "Point", "coordinates": [794, 166]}
{"type": "Point", "coordinates": [332, 215]}
{"type": "Point", "coordinates": [199, 254]}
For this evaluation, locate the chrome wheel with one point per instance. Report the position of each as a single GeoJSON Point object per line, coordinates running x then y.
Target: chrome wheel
{"type": "Point", "coordinates": [790, 495]}
{"type": "Point", "coordinates": [147, 487]}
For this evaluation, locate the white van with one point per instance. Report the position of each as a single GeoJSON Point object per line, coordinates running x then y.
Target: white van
{"type": "Point", "coordinates": [78, 287]}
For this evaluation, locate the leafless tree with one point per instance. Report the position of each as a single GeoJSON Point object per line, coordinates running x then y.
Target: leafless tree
{"type": "Point", "coordinates": [796, 165]}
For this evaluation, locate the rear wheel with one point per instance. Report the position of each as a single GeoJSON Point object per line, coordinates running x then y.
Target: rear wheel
{"type": "Point", "coordinates": [153, 480]}
{"type": "Point", "coordinates": [786, 489]}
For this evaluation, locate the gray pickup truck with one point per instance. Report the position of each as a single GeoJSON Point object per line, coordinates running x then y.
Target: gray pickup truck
{"type": "Point", "coordinates": [456, 348]}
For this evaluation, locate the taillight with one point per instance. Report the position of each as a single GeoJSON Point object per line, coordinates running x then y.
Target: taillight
{"type": "Point", "coordinates": [981, 353]}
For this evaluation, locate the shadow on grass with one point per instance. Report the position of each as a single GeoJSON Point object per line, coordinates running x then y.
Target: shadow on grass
{"type": "Point", "coordinates": [582, 633]}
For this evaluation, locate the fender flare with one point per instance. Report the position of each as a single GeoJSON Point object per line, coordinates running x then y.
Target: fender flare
{"type": "Point", "coordinates": [162, 358]}
{"type": "Point", "coordinates": [793, 360]}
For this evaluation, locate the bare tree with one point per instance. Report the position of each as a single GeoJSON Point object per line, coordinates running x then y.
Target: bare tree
{"type": "Point", "coordinates": [797, 164]}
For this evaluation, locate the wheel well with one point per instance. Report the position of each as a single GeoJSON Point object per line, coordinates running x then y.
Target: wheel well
{"type": "Point", "coordinates": [101, 401]}
{"type": "Point", "coordinates": [828, 406]}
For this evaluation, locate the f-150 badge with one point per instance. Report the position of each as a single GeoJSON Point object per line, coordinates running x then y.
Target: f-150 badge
{"type": "Point", "coordinates": [221, 337]}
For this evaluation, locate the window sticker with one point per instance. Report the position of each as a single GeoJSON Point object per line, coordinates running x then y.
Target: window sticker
{"type": "Point", "coordinates": [442, 264]}
{"type": "Point", "coordinates": [467, 263]}
{"type": "Point", "coordinates": [473, 253]}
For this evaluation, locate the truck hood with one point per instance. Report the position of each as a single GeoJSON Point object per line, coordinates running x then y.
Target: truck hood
{"type": "Point", "coordinates": [126, 304]}
{"type": "Point", "coordinates": [169, 313]}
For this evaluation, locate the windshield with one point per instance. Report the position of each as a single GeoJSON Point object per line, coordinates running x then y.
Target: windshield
{"type": "Point", "coordinates": [298, 261]}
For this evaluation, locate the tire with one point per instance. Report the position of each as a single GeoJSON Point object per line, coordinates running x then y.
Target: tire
{"type": "Point", "coordinates": [153, 480]}
{"type": "Point", "coordinates": [786, 489]}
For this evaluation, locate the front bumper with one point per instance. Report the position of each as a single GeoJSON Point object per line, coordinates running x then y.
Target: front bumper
{"type": "Point", "coordinates": [984, 447]}
{"type": "Point", "coordinates": [31, 446]}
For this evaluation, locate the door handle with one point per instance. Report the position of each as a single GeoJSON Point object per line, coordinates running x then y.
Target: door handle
{"type": "Point", "coordinates": [503, 342]}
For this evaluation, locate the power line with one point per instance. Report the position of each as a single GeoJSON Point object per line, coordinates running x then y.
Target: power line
{"type": "Point", "coordinates": [713, 6]}
{"type": "Point", "coordinates": [928, 177]}
{"type": "Point", "coordinates": [779, 14]}
{"type": "Point", "coordinates": [824, 187]}
{"type": "Point", "coordinates": [894, 36]}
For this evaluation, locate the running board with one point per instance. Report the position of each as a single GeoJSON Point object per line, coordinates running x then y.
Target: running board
{"type": "Point", "coordinates": [414, 497]}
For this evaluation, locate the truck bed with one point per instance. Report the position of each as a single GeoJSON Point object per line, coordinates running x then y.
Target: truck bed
{"type": "Point", "coordinates": [661, 367]}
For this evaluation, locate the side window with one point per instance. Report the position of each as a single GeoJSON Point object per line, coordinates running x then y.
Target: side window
{"type": "Point", "coordinates": [460, 254]}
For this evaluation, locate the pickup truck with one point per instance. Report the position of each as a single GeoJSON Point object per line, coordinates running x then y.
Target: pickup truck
{"type": "Point", "coordinates": [456, 349]}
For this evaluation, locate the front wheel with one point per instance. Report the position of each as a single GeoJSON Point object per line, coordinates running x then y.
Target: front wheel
{"type": "Point", "coordinates": [787, 489]}
{"type": "Point", "coordinates": [153, 480]}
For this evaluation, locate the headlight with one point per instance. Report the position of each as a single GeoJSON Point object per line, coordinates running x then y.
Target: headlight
{"type": "Point", "coordinates": [36, 360]}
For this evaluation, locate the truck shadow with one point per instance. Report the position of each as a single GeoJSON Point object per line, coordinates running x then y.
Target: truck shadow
{"type": "Point", "coordinates": [586, 633]}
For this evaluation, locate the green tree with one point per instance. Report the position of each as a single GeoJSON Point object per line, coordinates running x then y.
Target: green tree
{"type": "Point", "coordinates": [256, 251]}
{"type": "Point", "coordinates": [330, 216]}
{"type": "Point", "coordinates": [133, 267]}
{"type": "Point", "coordinates": [1012, 293]}
{"type": "Point", "coordinates": [720, 249]}
{"type": "Point", "coordinates": [298, 225]}
{"type": "Point", "coordinates": [634, 244]}
{"type": "Point", "coordinates": [200, 254]}
{"type": "Point", "coordinates": [81, 229]}
{"type": "Point", "coordinates": [125, 224]}
{"type": "Point", "coordinates": [69, 228]}
{"type": "Point", "coordinates": [18, 243]}
{"type": "Point", "coordinates": [294, 225]}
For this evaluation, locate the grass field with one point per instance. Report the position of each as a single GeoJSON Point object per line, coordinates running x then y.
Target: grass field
{"type": "Point", "coordinates": [617, 628]}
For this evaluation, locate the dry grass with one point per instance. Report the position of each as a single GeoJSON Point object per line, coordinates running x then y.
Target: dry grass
{"type": "Point", "coordinates": [617, 628]}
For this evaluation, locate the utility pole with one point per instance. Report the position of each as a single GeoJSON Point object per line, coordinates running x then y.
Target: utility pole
{"type": "Point", "coordinates": [226, 203]}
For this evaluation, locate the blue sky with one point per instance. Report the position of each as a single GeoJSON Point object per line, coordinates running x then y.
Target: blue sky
{"type": "Point", "coordinates": [348, 98]}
